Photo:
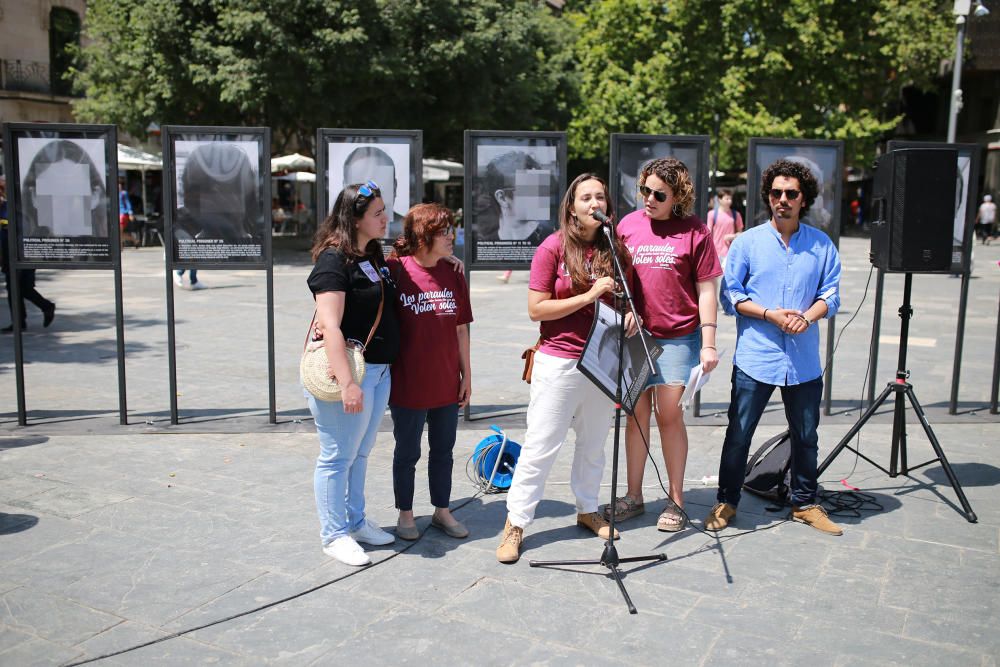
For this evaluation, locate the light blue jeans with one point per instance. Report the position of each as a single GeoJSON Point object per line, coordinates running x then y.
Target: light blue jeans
{"type": "Point", "coordinates": [345, 440]}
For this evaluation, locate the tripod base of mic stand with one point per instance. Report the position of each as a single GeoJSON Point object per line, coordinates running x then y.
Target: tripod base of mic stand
{"type": "Point", "coordinates": [902, 389]}
{"type": "Point", "coordinates": [609, 559]}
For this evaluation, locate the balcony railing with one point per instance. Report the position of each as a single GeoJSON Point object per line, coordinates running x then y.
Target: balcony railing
{"type": "Point", "coordinates": [27, 76]}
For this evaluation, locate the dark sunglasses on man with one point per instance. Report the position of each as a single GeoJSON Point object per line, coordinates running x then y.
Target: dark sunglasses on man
{"type": "Point", "coordinates": [791, 195]}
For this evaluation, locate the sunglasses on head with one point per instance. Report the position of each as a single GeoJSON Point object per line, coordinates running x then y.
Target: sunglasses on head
{"type": "Point", "coordinates": [792, 195]}
{"type": "Point", "coordinates": [646, 191]}
{"type": "Point", "coordinates": [369, 188]}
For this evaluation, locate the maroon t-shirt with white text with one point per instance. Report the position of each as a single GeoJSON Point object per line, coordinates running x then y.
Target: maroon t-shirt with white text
{"type": "Point", "coordinates": [566, 336]}
{"type": "Point", "coordinates": [432, 303]}
{"type": "Point", "coordinates": [669, 258]}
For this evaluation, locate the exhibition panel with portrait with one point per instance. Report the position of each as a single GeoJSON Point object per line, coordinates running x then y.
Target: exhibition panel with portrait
{"type": "Point", "coordinates": [389, 158]}
{"type": "Point", "coordinates": [630, 152]}
{"type": "Point", "coordinates": [516, 183]}
{"type": "Point", "coordinates": [825, 159]}
{"type": "Point", "coordinates": [218, 199]}
{"type": "Point", "coordinates": [61, 195]}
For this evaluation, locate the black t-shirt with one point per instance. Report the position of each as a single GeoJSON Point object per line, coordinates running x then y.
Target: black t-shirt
{"type": "Point", "coordinates": [360, 279]}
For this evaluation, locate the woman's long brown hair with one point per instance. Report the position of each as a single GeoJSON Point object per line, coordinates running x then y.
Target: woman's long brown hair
{"type": "Point", "coordinates": [340, 231]}
{"type": "Point", "coordinates": [574, 244]}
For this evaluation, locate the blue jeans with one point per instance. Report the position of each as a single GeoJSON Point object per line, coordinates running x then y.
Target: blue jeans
{"type": "Point", "coordinates": [408, 428]}
{"type": "Point", "coordinates": [749, 398]}
{"type": "Point", "coordinates": [345, 440]}
{"type": "Point", "coordinates": [192, 274]}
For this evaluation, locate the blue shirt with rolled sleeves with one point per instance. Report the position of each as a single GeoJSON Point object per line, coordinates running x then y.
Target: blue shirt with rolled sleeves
{"type": "Point", "coordinates": [761, 268]}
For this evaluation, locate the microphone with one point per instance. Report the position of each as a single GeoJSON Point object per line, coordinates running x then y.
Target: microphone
{"type": "Point", "coordinates": [600, 217]}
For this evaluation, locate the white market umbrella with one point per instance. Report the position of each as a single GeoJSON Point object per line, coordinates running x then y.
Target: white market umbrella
{"type": "Point", "coordinates": [293, 162]}
{"type": "Point", "coordinates": [297, 177]}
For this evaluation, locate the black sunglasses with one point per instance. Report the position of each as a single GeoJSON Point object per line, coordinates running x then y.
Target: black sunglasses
{"type": "Point", "coordinates": [646, 191]}
{"type": "Point", "coordinates": [791, 194]}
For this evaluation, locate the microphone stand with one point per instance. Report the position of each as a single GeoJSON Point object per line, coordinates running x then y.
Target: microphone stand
{"type": "Point", "coordinates": [609, 557]}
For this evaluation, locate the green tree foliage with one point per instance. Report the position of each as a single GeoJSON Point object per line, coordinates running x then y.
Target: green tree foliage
{"type": "Point", "coordinates": [295, 65]}
{"type": "Point", "coordinates": [825, 69]}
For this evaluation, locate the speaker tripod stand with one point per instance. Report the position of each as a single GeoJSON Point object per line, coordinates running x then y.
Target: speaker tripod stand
{"type": "Point", "coordinates": [903, 390]}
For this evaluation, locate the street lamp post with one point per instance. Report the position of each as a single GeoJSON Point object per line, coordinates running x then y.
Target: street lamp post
{"type": "Point", "coordinates": [961, 11]}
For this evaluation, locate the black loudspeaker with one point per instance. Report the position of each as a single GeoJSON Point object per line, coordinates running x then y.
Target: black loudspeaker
{"type": "Point", "coordinates": [913, 203]}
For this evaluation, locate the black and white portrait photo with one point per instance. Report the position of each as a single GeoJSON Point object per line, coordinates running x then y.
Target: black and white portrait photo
{"type": "Point", "coordinates": [516, 184]}
{"type": "Point", "coordinates": [599, 361]}
{"type": "Point", "coordinates": [382, 163]}
{"type": "Point", "coordinates": [63, 187]}
{"type": "Point", "coordinates": [825, 159]}
{"type": "Point", "coordinates": [630, 152]}
{"type": "Point", "coordinates": [61, 194]}
{"type": "Point", "coordinates": [219, 213]}
{"type": "Point", "coordinates": [390, 158]}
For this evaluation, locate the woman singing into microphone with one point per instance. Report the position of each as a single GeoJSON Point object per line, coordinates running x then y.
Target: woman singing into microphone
{"type": "Point", "coordinates": [677, 270]}
{"type": "Point", "coordinates": [571, 269]}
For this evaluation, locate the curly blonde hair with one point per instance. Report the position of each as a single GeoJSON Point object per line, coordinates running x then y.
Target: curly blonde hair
{"type": "Point", "coordinates": [674, 173]}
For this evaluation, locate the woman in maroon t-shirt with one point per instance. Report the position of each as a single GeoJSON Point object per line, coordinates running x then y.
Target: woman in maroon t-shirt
{"type": "Point", "coordinates": [432, 377]}
{"type": "Point", "coordinates": [677, 269]}
{"type": "Point", "coordinates": [571, 270]}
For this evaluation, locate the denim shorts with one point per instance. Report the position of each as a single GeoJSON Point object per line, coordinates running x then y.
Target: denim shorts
{"type": "Point", "coordinates": [679, 356]}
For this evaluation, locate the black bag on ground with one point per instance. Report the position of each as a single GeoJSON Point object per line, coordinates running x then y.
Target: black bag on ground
{"type": "Point", "coordinates": [768, 473]}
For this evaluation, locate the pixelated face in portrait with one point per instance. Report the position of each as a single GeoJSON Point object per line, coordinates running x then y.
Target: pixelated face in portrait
{"type": "Point", "coordinates": [64, 191]}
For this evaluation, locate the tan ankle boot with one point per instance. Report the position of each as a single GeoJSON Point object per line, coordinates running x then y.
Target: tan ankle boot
{"type": "Point", "coordinates": [510, 545]}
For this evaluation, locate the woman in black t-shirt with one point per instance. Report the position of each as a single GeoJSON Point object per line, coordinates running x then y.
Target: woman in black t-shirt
{"type": "Point", "coordinates": [349, 283]}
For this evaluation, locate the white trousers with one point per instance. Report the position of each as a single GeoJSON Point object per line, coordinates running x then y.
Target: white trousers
{"type": "Point", "coordinates": [561, 398]}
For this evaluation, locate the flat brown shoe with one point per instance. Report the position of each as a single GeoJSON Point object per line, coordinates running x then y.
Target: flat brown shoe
{"type": "Point", "coordinates": [596, 524]}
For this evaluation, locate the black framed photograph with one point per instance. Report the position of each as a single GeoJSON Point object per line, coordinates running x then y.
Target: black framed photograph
{"type": "Point", "coordinates": [599, 361]}
{"type": "Point", "coordinates": [217, 189]}
{"type": "Point", "coordinates": [60, 184]}
{"type": "Point", "coordinates": [514, 182]}
{"type": "Point", "coordinates": [825, 159]}
{"type": "Point", "coordinates": [966, 196]}
{"type": "Point", "coordinates": [390, 158]}
{"type": "Point", "coordinates": [631, 152]}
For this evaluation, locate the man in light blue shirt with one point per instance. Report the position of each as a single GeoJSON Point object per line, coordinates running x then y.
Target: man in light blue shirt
{"type": "Point", "coordinates": [782, 276]}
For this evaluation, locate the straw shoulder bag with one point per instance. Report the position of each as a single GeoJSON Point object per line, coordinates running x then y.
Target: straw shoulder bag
{"type": "Point", "coordinates": [314, 369]}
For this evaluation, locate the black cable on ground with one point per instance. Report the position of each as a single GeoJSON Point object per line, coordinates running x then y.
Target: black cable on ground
{"type": "Point", "coordinates": [262, 607]}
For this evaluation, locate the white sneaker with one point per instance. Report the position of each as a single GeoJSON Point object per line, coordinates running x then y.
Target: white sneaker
{"type": "Point", "coordinates": [178, 280]}
{"type": "Point", "coordinates": [369, 533]}
{"type": "Point", "coordinates": [347, 551]}
{"type": "Point", "coordinates": [198, 285]}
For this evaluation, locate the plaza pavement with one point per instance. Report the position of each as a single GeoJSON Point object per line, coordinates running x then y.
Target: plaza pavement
{"type": "Point", "coordinates": [113, 536]}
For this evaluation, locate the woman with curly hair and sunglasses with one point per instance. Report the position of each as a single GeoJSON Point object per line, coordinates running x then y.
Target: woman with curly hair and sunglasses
{"type": "Point", "coordinates": [677, 271]}
{"type": "Point", "coordinates": [353, 301]}
{"type": "Point", "coordinates": [432, 378]}
{"type": "Point", "coordinates": [571, 269]}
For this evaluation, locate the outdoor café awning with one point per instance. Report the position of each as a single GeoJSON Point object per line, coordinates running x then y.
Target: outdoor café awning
{"type": "Point", "coordinates": [133, 158]}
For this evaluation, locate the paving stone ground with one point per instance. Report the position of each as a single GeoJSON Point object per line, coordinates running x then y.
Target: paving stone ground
{"type": "Point", "coordinates": [113, 536]}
